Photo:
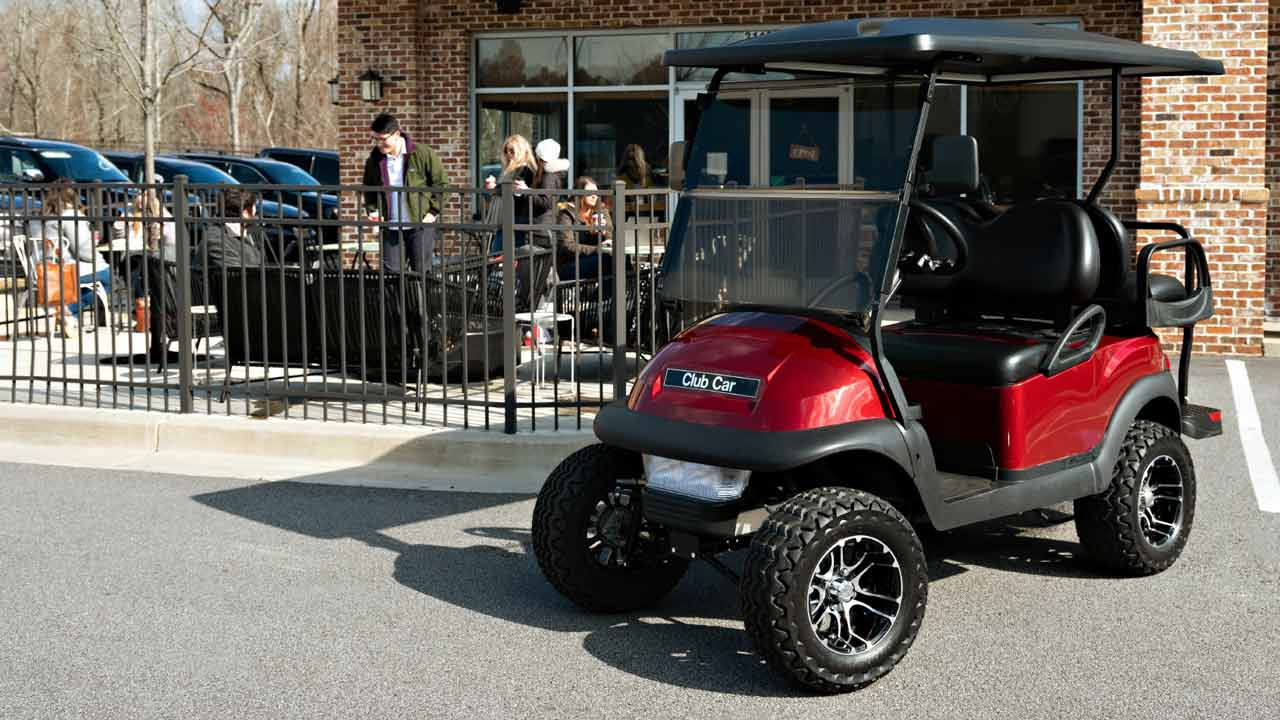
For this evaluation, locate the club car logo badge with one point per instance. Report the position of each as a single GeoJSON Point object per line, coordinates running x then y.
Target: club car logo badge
{"type": "Point", "coordinates": [743, 387]}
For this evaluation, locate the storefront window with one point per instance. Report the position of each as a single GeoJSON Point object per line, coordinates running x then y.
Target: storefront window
{"type": "Point", "coordinates": [1027, 139]}
{"type": "Point", "coordinates": [535, 116]}
{"type": "Point", "coordinates": [698, 40]}
{"type": "Point", "coordinates": [608, 129]}
{"type": "Point", "coordinates": [522, 62]}
{"type": "Point", "coordinates": [620, 60]}
{"type": "Point", "coordinates": [625, 103]}
{"type": "Point", "coordinates": [885, 119]}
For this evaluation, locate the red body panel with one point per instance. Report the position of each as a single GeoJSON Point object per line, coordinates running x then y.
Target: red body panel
{"type": "Point", "coordinates": [812, 374]}
{"type": "Point", "coordinates": [1041, 419]}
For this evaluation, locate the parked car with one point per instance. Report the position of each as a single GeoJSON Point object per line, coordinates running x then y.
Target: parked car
{"type": "Point", "coordinates": [33, 163]}
{"type": "Point", "coordinates": [320, 164]}
{"type": "Point", "coordinates": [201, 201]}
{"type": "Point", "coordinates": [261, 171]}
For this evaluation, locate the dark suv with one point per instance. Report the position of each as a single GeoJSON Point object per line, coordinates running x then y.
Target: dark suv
{"type": "Point", "coordinates": [261, 171]}
{"type": "Point", "coordinates": [35, 163]}
{"type": "Point", "coordinates": [198, 173]}
{"type": "Point", "coordinates": [321, 164]}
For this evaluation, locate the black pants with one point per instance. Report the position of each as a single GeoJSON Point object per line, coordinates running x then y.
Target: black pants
{"type": "Point", "coordinates": [414, 245]}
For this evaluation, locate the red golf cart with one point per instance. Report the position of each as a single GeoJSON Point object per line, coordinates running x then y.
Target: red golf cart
{"type": "Point", "coordinates": [792, 422]}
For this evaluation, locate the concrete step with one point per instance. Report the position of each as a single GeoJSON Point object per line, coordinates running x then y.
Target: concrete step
{"type": "Point", "coordinates": [1271, 346]}
{"type": "Point", "coordinates": [1271, 326]}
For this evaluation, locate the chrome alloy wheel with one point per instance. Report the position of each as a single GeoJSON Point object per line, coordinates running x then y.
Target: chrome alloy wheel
{"type": "Point", "coordinates": [1160, 502]}
{"type": "Point", "coordinates": [615, 529]}
{"type": "Point", "coordinates": [855, 595]}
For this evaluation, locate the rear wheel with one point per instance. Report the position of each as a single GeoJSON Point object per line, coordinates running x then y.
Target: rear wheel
{"type": "Point", "coordinates": [834, 589]}
{"type": "Point", "coordinates": [1140, 523]}
{"type": "Point", "coordinates": [590, 537]}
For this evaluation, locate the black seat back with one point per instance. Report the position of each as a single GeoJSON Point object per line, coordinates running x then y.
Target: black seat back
{"type": "Point", "coordinates": [1037, 260]}
{"type": "Point", "coordinates": [1113, 250]}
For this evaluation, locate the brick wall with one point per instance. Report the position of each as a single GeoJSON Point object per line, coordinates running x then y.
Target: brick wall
{"type": "Point", "coordinates": [1204, 155]}
{"type": "Point", "coordinates": [1273, 163]}
{"type": "Point", "coordinates": [385, 36]}
{"type": "Point", "coordinates": [440, 116]}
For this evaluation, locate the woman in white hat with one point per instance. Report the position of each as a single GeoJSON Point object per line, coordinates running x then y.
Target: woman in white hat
{"type": "Point", "coordinates": [550, 176]}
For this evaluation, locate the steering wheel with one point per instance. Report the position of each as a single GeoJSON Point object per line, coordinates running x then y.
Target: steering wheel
{"type": "Point", "coordinates": [934, 264]}
{"type": "Point", "coordinates": [861, 282]}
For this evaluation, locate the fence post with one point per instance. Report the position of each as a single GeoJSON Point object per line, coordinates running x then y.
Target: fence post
{"type": "Point", "coordinates": [185, 360]}
{"type": "Point", "coordinates": [510, 342]}
{"type": "Point", "coordinates": [619, 291]}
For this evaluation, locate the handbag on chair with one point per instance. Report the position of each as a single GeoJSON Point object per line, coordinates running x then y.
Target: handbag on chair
{"type": "Point", "coordinates": [57, 282]}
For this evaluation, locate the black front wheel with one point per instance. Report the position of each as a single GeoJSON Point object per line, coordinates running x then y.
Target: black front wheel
{"type": "Point", "coordinates": [590, 537]}
{"type": "Point", "coordinates": [834, 589]}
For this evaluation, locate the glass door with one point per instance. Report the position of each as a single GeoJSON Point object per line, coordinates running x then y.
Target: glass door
{"type": "Point", "coordinates": [805, 137]}
{"type": "Point", "coordinates": [738, 146]}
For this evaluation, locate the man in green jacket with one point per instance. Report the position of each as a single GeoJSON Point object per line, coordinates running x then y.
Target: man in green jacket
{"type": "Point", "coordinates": [408, 235]}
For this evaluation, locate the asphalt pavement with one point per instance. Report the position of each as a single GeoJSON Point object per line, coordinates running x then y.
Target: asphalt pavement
{"type": "Point", "coordinates": [134, 595]}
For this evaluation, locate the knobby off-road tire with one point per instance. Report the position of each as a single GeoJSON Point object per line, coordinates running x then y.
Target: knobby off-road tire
{"type": "Point", "coordinates": [785, 561]}
{"type": "Point", "coordinates": [1115, 526]}
{"type": "Point", "coordinates": [563, 520]}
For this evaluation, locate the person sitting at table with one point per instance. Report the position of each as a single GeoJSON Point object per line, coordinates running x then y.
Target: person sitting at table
{"type": "Point", "coordinates": [63, 235]}
{"type": "Point", "coordinates": [231, 239]}
{"type": "Point", "coordinates": [148, 226]}
{"type": "Point", "coordinates": [584, 253]}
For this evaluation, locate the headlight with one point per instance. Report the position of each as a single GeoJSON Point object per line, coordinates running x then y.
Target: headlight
{"type": "Point", "coordinates": [704, 482]}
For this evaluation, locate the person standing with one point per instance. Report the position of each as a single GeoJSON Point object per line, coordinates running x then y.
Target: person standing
{"type": "Point", "coordinates": [520, 167]}
{"type": "Point", "coordinates": [408, 237]}
{"type": "Point", "coordinates": [550, 177]}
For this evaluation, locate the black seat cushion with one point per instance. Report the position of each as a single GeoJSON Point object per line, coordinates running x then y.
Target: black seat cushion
{"type": "Point", "coordinates": [980, 353]}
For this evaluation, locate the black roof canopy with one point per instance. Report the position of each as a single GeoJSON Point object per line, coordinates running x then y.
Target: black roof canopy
{"type": "Point", "coordinates": [969, 51]}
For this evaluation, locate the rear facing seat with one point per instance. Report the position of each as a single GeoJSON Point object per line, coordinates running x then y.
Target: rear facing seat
{"type": "Point", "coordinates": [1118, 286]}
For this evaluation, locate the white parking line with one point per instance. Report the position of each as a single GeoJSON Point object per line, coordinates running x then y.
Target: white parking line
{"type": "Point", "coordinates": [1262, 471]}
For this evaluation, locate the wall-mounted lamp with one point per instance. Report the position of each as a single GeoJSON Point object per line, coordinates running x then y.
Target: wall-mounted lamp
{"type": "Point", "coordinates": [333, 90]}
{"type": "Point", "coordinates": [370, 86]}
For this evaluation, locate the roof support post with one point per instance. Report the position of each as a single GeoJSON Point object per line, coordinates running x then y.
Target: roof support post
{"type": "Point", "coordinates": [1101, 183]}
{"type": "Point", "coordinates": [893, 388]}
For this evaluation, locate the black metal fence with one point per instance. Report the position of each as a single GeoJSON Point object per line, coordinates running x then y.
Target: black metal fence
{"type": "Point", "coordinates": [506, 308]}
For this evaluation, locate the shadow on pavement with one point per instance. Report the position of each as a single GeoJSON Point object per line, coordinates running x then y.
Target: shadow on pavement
{"type": "Point", "coordinates": [1008, 544]}
{"type": "Point", "coordinates": [497, 576]}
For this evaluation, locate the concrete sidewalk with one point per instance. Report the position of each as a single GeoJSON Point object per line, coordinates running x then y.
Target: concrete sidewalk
{"type": "Point", "coordinates": [330, 453]}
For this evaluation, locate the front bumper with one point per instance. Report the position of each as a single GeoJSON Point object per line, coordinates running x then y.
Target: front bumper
{"type": "Point", "coordinates": [755, 450]}
{"type": "Point", "coordinates": [702, 518]}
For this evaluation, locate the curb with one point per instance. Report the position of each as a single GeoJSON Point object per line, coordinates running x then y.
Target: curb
{"type": "Point", "coordinates": [300, 451]}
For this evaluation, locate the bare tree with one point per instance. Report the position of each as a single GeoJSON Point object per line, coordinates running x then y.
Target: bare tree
{"type": "Point", "coordinates": [133, 42]}
{"type": "Point", "coordinates": [24, 53]}
{"type": "Point", "coordinates": [301, 13]}
{"type": "Point", "coordinates": [236, 44]}
{"type": "Point", "coordinates": [110, 73]}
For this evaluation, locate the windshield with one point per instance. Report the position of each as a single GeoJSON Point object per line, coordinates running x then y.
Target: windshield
{"type": "Point", "coordinates": [286, 174]}
{"type": "Point", "coordinates": [809, 221]}
{"type": "Point", "coordinates": [81, 165]}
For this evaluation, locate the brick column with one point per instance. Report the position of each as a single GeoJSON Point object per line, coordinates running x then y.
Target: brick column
{"type": "Point", "coordinates": [382, 35]}
{"type": "Point", "coordinates": [1204, 156]}
{"type": "Point", "coordinates": [1273, 163]}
